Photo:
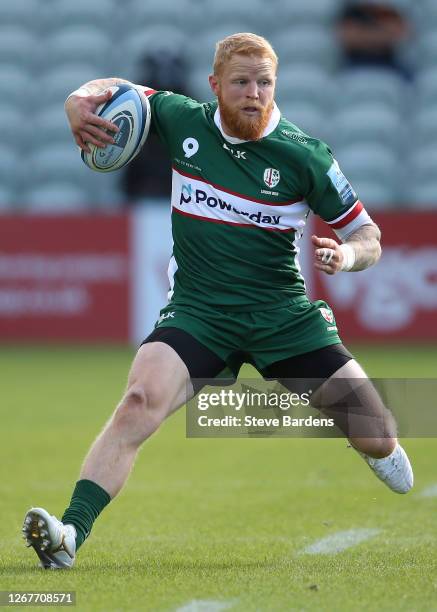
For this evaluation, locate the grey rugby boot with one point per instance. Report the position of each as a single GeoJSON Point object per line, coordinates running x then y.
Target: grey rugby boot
{"type": "Point", "coordinates": [53, 542]}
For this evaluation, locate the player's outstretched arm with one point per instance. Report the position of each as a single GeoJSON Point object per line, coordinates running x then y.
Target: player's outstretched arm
{"type": "Point", "coordinates": [361, 250]}
{"type": "Point", "coordinates": [80, 108]}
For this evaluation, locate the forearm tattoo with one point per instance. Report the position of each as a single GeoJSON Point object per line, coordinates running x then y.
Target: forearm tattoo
{"type": "Point", "coordinates": [366, 244]}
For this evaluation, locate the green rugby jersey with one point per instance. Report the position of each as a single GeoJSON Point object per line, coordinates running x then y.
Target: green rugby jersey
{"type": "Point", "coordinates": [239, 207]}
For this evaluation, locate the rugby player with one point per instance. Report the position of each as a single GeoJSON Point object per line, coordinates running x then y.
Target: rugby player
{"type": "Point", "coordinates": [244, 181]}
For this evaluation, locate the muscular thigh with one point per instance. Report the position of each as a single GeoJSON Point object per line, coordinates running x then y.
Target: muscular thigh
{"type": "Point", "coordinates": [203, 364]}
{"type": "Point", "coordinates": [161, 374]}
{"type": "Point", "coordinates": [350, 397]}
{"type": "Point", "coordinates": [340, 389]}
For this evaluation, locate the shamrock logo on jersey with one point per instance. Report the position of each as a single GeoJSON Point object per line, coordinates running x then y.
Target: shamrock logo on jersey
{"type": "Point", "coordinates": [271, 177]}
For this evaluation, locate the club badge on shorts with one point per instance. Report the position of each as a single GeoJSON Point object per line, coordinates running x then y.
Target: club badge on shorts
{"type": "Point", "coordinates": [271, 177]}
{"type": "Point", "coordinates": [327, 315]}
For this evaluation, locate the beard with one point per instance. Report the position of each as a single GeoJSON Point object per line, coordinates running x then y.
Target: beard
{"type": "Point", "coordinates": [242, 126]}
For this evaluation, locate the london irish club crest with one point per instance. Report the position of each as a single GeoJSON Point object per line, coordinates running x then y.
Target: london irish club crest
{"type": "Point", "coordinates": [271, 177]}
{"type": "Point", "coordinates": [327, 314]}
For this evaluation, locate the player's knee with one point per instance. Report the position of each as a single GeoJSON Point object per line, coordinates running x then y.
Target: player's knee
{"type": "Point", "coordinates": [375, 447]}
{"type": "Point", "coordinates": [384, 447]}
{"type": "Point", "coordinates": [140, 412]}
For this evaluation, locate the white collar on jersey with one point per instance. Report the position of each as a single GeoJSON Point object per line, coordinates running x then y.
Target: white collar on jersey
{"type": "Point", "coordinates": [272, 125]}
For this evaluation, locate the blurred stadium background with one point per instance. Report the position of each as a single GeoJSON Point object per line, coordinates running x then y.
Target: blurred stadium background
{"type": "Point", "coordinates": [382, 127]}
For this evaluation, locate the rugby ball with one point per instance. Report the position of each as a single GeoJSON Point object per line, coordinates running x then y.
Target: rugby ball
{"type": "Point", "coordinates": [129, 110]}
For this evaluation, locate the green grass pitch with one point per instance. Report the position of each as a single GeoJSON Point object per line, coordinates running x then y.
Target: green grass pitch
{"type": "Point", "coordinates": [210, 524]}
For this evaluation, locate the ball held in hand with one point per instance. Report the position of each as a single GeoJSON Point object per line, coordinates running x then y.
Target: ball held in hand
{"type": "Point", "coordinates": [129, 110]}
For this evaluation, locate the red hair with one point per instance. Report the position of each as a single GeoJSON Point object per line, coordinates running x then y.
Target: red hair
{"type": "Point", "coordinates": [245, 43]}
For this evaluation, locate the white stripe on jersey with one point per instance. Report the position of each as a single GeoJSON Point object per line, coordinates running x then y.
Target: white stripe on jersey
{"type": "Point", "coordinates": [348, 222]}
{"type": "Point", "coordinates": [171, 271]}
{"type": "Point", "coordinates": [362, 219]}
{"type": "Point", "coordinates": [195, 198]}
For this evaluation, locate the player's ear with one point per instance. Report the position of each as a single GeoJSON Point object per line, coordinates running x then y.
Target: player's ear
{"type": "Point", "coordinates": [213, 83]}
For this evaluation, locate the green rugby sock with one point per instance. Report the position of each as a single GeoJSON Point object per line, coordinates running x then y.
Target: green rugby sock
{"type": "Point", "coordinates": [87, 502]}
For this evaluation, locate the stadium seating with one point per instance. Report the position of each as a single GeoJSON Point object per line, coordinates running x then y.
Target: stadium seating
{"type": "Point", "coordinates": [376, 195]}
{"type": "Point", "coordinates": [199, 85]}
{"type": "Point", "coordinates": [427, 49]}
{"type": "Point", "coordinates": [79, 44]}
{"type": "Point", "coordinates": [22, 13]}
{"type": "Point", "coordinates": [305, 12]}
{"type": "Point", "coordinates": [402, 5]}
{"type": "Point", "coordinates": [307, 117]}
{"type": "Point", "coordinates": [200, 49]}
{"type": "Point", "coordinates": [254, 15]}
{"type": "Point", "coordinates": [59, 160]}
{"type": "Point", "coordinates": [13, 128]}
{"type": "Point", "coordinates": [98, 13]}
{"type": "Point", "coordinates": [426, 88]}
{"type": "Point", "coordinates": [51, 125]}
{"type": "Point", "coordinates": [305, 83]}
{"type": "Point", "coordinates": [183, 14]}
{"type": "Point", "coordinates": [423, 127]}
{"type": "Point", "coordinates": [15, 83]}
{"type": "Point", "coordinates": [18, 46]}
{"type": "Point", "coordinates": [372, 122]}
{"type": "Point", "coordinates": [422, 195]}
{"type": "Point", "coordinates": [364, 85]}
{"type": "Point", "coordinates": [368, 162]}
{"type": "Point", "coordinates": [6, 199]}
{"type": "Point", "coordinates": [306, 44]}
{"type": "Point", "coordinates": [8, 163]}
{"type": "Point", "coordinates": [63, 79]}
{"type": "Point", "coordinates": [427, 15]}
{"type": "Point", "coordinates": [134, 47]}
{"type": "Point", "coordinates": [422, 165]}
{"type": "Point", "coordinates": [11, 170]}
{"type": "Point", "coordinates": [57, 197]}
{"type": "Point", "coordinates": [66, 43]}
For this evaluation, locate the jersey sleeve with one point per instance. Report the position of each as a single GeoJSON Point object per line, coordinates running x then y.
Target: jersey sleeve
{"type": "Point", "coordinates": [331, 196]}
{"type": "Point", "coordinates": [167, 111]}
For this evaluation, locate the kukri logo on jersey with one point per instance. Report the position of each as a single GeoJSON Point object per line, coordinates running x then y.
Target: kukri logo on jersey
{"type": "Point", "coordinates": [199, 196]}
{"type": "Point", "coordinates": [235, 152]}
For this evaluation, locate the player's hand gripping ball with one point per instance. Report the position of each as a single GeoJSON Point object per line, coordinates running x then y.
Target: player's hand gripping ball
{"type": "Point", "coordinates": [129, 110]}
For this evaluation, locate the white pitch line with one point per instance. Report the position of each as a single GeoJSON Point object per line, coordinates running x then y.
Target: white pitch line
{"type": "Point", "coordinates": [430, 491]}
{"type": "Point", "coordinates": [339, 541]}
{"type": "Point", "coordinates": [205, 605]}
